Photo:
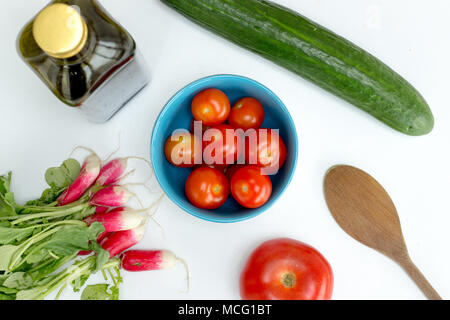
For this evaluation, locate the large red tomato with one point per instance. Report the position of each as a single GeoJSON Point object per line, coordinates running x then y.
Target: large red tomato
{"type": "Point", "coordinates": [207, 188]}
{"type": "Point", "coordinates": [286, 269]}
{"type": "Point", "coordinates": [211, 106]}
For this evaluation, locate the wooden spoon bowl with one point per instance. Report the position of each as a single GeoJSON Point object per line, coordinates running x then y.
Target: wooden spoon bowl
{"type": "Point", "coordinates": [363, 208]}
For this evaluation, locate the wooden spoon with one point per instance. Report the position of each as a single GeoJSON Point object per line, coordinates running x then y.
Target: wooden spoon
{"type": "Point", "coordinates": [365, 211]}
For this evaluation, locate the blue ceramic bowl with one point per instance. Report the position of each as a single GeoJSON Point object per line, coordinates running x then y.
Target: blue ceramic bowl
{"type": "Point", "coordinates": [177, 114]}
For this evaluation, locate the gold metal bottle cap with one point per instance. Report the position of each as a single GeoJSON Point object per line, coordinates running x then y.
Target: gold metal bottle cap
{"type": "Point", "coordinates": [60, 31]}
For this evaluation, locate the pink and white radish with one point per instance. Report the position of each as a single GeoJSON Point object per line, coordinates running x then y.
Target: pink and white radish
{"type": "Point", "coordinates": [87, 177]}
{"type": "Point", "coordinates": [84, 253]}
{"type": "Point", "coordinates": [112, 196]}
{"type": "Point", "coordinates": [118, 242]}
{"type": "Point", "coordinates": [148, 260]}
{"type": "Point", "coordinates": [101, 209]}
{"type": "Point", "coordinates": [112, 172]}
{"type": "Point", "coordinates": [118, 219]}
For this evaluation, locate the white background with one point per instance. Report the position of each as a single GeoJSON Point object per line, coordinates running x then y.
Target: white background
{"type": "Point", "coordinates": [37, 132]}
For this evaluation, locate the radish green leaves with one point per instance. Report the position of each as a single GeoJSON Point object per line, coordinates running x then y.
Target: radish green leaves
{"type": "Point", "coordinates": [7, 203]}
{"type": "Point", "coordinates": [40, 241]}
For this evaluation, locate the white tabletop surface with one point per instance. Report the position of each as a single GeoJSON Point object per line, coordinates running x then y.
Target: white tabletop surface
{"type": "Point", "coordinates": [37, 131]}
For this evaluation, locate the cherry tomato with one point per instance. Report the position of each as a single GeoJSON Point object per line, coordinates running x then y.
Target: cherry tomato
{"type": "Point", "coordinates": [211, 106]}
{"type": "Point", "coordinates": [204, 128]}
{"type": "Point", "coordinates": [207, 188]}
{"type": "Point", "coordinates": [221, 145]}
{"type": "Point", "coordinates": [221, 168]}
{"type": "Point", "coordinates": [230, 171]}
{"type": "Point", "coordinates": [251, 188]}
{"type": "Point", "coordinates": [180, 149]}
{"type": "Point", "coordinates": [267, 150]}
{"type": "Point", "coordinates": [286, 269]}
{"type": "Point", "coordinates": [247, 113]}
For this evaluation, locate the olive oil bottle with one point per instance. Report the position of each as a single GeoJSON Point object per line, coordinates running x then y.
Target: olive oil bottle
{"type": "Point", "coordinates": [84, 57]}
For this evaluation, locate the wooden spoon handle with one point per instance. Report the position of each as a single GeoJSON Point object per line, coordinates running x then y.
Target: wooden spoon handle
{"type": "Point", "coordinates": [420, 279]}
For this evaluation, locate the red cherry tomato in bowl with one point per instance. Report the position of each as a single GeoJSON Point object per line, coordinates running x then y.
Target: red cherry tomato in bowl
{"type": "Point", "coordinates": [247, 113]}
{"type": "Point", "coordinates": [211, 106]}
{"type": "Point", "coordinates": [250, 188]}
{"type": "Point", "coordinates": [207, 188]}
{"type": "Point", "coordinates": [201, 126]}
{"type": "Point", "coordinates": [286, 269]}
{"type": "Point", "coordinates": [221, 145]}
{"type": "Point", "coordinates": [230, 171]}
{"type": "Point", "coordinates": [180, 149]}
{"type": "Point", "coordinates": [221, 168]}
{"type": "Point", "coordinates": [266, 149]}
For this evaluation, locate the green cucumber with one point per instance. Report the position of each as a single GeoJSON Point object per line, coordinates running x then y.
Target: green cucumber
{"type": "Point", "coordinates": [317, 54]}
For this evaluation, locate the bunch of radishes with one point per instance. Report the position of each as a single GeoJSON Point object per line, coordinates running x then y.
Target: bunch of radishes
{"type": "Point", "coordinates": [124, 227]}
{"type": "Point", "coordinates": [99, 186]}
{"type": "Point", "coordinates": [85, 208]}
